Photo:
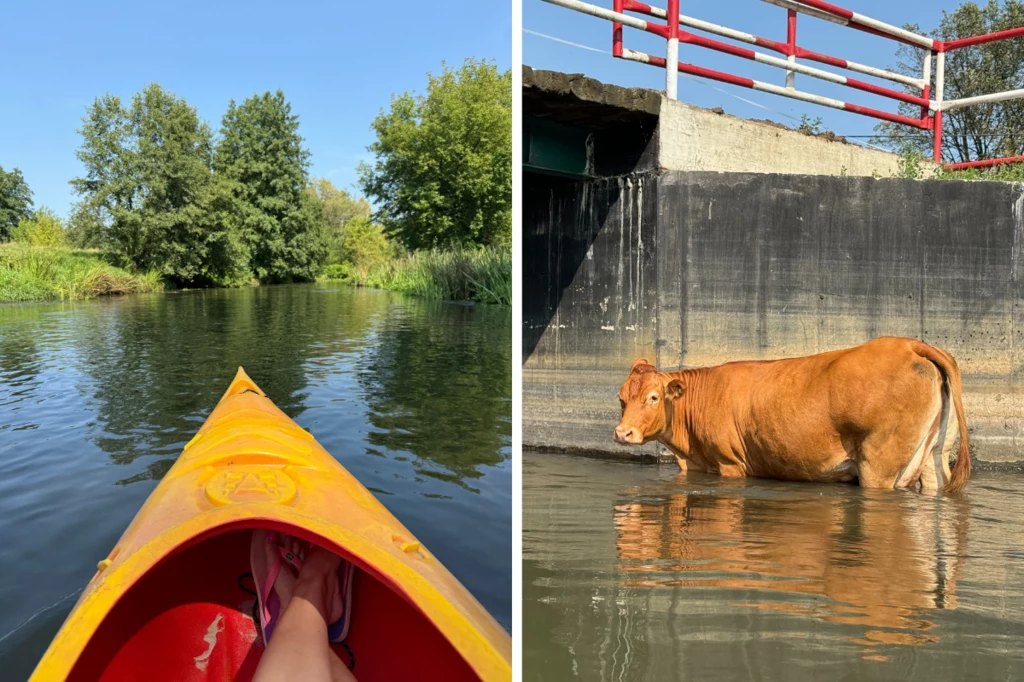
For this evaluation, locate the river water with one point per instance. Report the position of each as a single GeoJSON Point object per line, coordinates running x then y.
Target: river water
{"type": "Point", "coordinates": [634, 572]}
{"type": "Point", "coordinates": [97, 399]}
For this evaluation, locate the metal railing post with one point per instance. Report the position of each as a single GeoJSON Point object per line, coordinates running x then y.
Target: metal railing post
{"type": "Point", "coordinates": [617, 31]}
{"type": "Point", "coordinates": [940, 73]}
{"type": "Point", "coordinates": [926, 89]}
{"type": "Point", "coordinates": [791, 43]}
{"type": "Point", "coordinates": [672, 50]}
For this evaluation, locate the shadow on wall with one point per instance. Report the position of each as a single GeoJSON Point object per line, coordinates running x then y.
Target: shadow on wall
{"type": "Point", "coordinates": [561, 219]}
{"type": "Point", "coordinates": [588, 259]}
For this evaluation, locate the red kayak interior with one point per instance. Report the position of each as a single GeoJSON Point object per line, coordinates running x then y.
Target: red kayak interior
{"type": "Point", "coordinates": [191, 619]}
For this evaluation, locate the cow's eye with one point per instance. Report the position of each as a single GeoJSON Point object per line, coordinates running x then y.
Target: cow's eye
{"type": "Point", "coordinates": [622, 403]}
{"type": "Point", "coordinates": [654, 398]}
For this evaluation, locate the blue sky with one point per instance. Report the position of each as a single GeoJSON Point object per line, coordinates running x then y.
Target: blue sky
{"type": "Point", "coordinates": [337, 62]}
{"type": "Point", "coordinates": [752, 16]}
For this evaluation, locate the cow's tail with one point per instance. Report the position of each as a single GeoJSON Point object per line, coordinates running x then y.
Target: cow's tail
{"type": "Point", "coordinates": [947, 365]}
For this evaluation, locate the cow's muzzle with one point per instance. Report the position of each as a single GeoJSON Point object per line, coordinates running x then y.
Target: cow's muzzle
{"type": "Point", "coordinates": [628, 435]}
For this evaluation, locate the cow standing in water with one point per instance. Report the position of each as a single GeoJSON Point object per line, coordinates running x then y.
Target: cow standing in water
{"type": "Point", "coordinates": [886, 414]}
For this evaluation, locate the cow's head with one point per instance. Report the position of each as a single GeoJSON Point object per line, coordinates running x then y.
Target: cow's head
{"type": "Point", "coordinates": [646, 401]}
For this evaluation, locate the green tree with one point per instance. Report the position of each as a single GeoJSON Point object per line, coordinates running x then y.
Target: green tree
{"type": "Point", "coordinates": [85, 229]}
{"type": "Point", "coordinates": [976, 132]}
{"type": "Point", "coordinates": [15, 201]}
{"type": "Point", "coordinates": [149, 174]}
{"type": "Point", "coordinates": [339, 208]}
{"type": "Point", "coordinates": [365, 245]}
{"type": "Point", "coordinates": [45, 228]}
{"type": "Point", "coordinates": [280, 224]}
{"type": "Point", "coordinates": [443, 169]}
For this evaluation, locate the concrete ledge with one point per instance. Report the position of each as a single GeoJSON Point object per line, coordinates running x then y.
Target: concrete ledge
{"type": "Point", "coordinates": [696, 139]}
{"type": "Point", "coordinates": [664, 458]}
{"type": "Point", "coordinates": [551, 89]}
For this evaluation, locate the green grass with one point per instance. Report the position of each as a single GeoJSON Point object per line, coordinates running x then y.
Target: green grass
{"type": "Point", "coordinates": [1007, 172]}
{"type": "Point", "coordinates": [483, 275]}
{"type": "Point", "coordinates": [39, 273]}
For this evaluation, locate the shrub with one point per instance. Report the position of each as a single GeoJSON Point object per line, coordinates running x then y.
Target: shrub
{"type": "Point", "coordinates": [44, 229]}
{"type": "Point", "coordinates": [337, 272]}
{"type": "Point", "coordinates": [365, 246]}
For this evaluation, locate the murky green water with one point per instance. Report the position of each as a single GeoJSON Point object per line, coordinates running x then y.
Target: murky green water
{"type": "Point", "coordinates": [97, 399]}
{"type": "Point", "coordinates": [636, 572]}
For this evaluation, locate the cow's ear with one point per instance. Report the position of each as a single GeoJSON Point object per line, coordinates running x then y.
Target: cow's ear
{"type": "Point", "coordinates": [674, 390]}
{"type": "Point", "coordinates": [639, 365]}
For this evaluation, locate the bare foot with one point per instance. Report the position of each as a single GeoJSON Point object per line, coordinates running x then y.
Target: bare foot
{"type": "Point", "coordinates": [318, 582]}
{"type": "Point", "coordinates": [284, 584]}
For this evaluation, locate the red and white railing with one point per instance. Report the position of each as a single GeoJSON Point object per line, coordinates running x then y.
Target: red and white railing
{"type": "Point", "coordinates": [932, 104]}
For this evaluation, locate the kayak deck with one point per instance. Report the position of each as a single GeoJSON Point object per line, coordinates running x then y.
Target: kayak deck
{"type": "Point", "coordinates": [172, 601]}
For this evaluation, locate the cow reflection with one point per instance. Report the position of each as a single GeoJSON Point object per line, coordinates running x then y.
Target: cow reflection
{"type": "Point", "coordinates": [882, 561]}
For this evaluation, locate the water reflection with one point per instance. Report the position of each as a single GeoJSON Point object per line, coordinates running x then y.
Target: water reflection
{"type": "Point", "coordinates": [442, 391]}
{"type": "Point", "coordinates": [433, 374]}
{"type": "Point", "coordinates": [882, 561]}
{"type": "Point", "coordinates": [636, 574]}
{"type": "Point", "coordinates": [160, 364]}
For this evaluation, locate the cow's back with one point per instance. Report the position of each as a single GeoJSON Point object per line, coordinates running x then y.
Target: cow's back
{"type": "Point", "coordinates": [796, 418]}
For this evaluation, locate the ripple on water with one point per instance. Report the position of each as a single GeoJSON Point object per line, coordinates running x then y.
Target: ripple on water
{"type": "Point", "coordinates": [639, 573]}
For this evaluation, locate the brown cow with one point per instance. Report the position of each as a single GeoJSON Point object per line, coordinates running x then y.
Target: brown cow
{"type": "Point", "coordinates": [878, 414]}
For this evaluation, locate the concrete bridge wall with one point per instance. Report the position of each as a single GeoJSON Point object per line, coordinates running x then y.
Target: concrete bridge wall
{"type": "Point", "coordinates": [698, 268]}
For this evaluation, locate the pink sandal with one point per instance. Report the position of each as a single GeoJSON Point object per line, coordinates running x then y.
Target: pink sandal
{"type": "Point", "coordinates": [265, 577]}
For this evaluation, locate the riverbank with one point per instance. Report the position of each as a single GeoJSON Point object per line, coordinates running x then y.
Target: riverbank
{"type": "Point", "coordinates": [481, 275]}
{"type": "Point", "coordinates": [46, 273]}
{"type": "Point", "coordinates": [41, 273]}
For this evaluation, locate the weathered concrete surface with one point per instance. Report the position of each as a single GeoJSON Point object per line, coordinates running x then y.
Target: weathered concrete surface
{"type": "Point", "coordinates": [696, 139]}
{"type": "Point", "coordinates": [589, 300]}
{"type": "Point", "coordinates": [701, 268]}
{"type": "Point", "coordinates": [575, 97]}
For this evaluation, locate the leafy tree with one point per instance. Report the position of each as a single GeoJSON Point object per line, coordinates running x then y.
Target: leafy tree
{"type": "Point", "coordinates": [976, 132]}
{"type": "Point", "coordinates": [365, 245]}
{"type": "Point", "coordinates": [85, 229]}
{"type": "Point", "coordinates": [149, 180]}
{"type": "Point", "coordinates": [339, 208]}
{"type": "Point", "coordinates": [45, 228]}
{"type": "Point", "coordinates": [443, 169]}
{"type": "Point", "coordinates": [225, 255]}
{"type": "Point", "coordinates": [15, 201]}
{"type": "Point", "coordinates": [280, 224]}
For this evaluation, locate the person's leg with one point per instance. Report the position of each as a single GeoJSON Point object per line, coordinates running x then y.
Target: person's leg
{"type": "Point", "coordinates": [299, 649]}
{"type": "Point", "coordinates": [339, 671]}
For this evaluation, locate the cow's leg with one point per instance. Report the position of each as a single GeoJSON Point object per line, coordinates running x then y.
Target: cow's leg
{"type": "Point", "coordinates": [936, 469]}
{"type": "Point", "coordinates": [898, 453]}
{"type": "Point", "coordinates": [876, 477]}
{"type": "Point", "coordinates": [895, 459]}
{"type": "Point", "coordinates": [951, 437]}
{"type": "Point", "coordinates": [682, 464]}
